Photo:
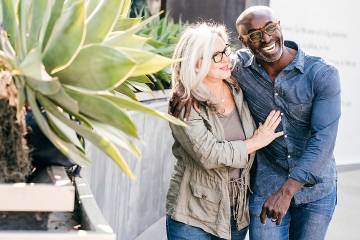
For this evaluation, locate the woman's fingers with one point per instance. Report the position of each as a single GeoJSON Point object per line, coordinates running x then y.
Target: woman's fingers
{"type": "Point", "coordinates": [269, 117]}
{"type": "Point", "coordinates": [276, 123]}
{"type": "Point", "coordinates": [274, 118]}
{"type": "Point", "coordinates": [279, 134]}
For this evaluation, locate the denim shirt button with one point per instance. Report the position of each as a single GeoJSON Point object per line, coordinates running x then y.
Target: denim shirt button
{"type": "Point", "coordinates": [281, 114]}
{"type": "Point", "coordinates": [289, 156]}
{"type": "Point", "coordinates": [285, 136]}
{"type": "Point", "coordinates": [276, 94]}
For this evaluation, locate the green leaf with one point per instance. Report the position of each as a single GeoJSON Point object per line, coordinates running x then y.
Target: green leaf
{"type": "Point", "coordinates": [101, 142]}
{"type": "Point", "coordinates": [62, 130]}
{"type": "Point", "coordinates": [117, 137]}
{"type": "Point", "coordinates": [140, 79]}
{"type": "Point", "coordinates": [48, 26]}
{"type": "Point", "coordinates": [142, 87]}
{"type": "Point", "coordinates": [102, 20]}
{"type": "Point", "coordinates": [98, 67]}
{"type": "Point", "coordinates": [102, 110]}
{"type": "Point", "coordinates": [126, 23]}
{"type": "Point", "coordinates": [132, 41]}
{"type": "Point", "coordinates": [125, 10]}
{"type": "Point", "coordinates": [157, 82]}
{"type": "Point", "coordinates": [66, 148]}
{"type": "Point", "coordinates": [23, 19]}
{"type": "Point", "coordinates": [131, 31]}
{"type": "Point", "coordinates": [36, 76]}
{"type": "Point", "coordinates": [65, 101]}
{"type": "Point", "coordinates": [130, 104]}
{"type": "Point", "coordinates": [46, 87]}
{"type": "Point", "coordinates": [156, 44]}
{"type": "Point", "coordinates": [9, 21]}
{"type": "Point", "coordinates": [124, 89]}
{"type": "Point", "coordinates": [146, 62]}
{"type": "Point", "coordinates": [66, 38]}
{"type": "Point", "coordinates": [38, 14]}
{"type": "Point", "coordinates": [92, 4]}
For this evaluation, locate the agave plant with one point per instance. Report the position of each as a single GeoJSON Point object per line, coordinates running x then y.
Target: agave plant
{"type": "Point", "coordinates": [66, 58]}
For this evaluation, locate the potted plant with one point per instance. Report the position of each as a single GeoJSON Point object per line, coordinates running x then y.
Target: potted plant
{"type": "Point", "coordinates": [68, 63]}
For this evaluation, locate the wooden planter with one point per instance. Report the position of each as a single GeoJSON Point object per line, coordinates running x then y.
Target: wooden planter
{"type": "Point", "coordinates": [49, 204]}
{"type": "Point", "coordinates": [52, 191]}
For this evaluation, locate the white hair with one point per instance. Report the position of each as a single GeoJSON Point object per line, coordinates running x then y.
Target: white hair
{"type": "Point", "coordinates": [195, 48]}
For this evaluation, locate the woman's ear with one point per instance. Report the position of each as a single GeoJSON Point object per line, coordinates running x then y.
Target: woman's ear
{"type": "Point", "coordinates": [198, 66]}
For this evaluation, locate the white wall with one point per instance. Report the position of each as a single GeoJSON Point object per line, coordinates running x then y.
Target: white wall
{"type": "Point", "coordinates": [331, 29]}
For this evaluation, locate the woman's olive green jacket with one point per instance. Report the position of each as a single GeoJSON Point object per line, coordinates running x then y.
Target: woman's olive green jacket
{"type": "Point", "coordinates": [199, 187]}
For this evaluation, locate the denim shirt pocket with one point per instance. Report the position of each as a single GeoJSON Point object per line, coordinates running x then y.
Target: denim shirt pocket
{"type": "Point", "coordinates": [300, 112]}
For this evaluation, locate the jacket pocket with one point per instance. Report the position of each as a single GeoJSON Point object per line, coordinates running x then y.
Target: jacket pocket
{"type": "Point", "coordinates": [204, 203]}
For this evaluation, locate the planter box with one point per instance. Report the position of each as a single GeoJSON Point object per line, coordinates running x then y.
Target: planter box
{"type": "Point", "coordinates": [90, 222]}
{"type": "Point", "coordinates": [54, 193]}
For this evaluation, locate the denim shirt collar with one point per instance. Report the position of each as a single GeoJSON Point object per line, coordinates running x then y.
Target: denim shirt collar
{"type": "Point", "coordinates": [298, 61]}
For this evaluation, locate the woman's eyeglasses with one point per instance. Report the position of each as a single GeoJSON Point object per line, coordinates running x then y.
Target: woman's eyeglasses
{"type": "Point", "coordinates": [218, 56]}
{"type": "Point", "coordinates": [257, 35]}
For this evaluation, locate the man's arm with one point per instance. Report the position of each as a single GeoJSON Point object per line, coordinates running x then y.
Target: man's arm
{"type": "Point", "coordinates": [319, 150]}
{"type": "Point", "coordinates": [325, 116]}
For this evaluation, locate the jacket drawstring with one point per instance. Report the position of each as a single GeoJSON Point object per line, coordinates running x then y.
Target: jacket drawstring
{"type": "Point", "coordinates": [239, 187]}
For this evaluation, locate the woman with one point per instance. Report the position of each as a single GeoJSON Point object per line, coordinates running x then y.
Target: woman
{"type": "Point", "coordinates": [207, 197]}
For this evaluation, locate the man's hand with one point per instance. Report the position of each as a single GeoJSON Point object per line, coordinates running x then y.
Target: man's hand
{"type": "Point", "coordinates": [177, 103]}
{"type": "Point", "coordinates": [278, 203]}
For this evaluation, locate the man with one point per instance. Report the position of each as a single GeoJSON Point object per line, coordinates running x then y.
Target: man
{"type": "Point", "coordinates": [294, 181]}
{"type": "Point", "coordinates": [294, 178]}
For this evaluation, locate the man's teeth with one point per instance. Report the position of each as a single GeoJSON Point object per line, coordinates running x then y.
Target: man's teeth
{"type": "Point", "coordinates": [269, 48]}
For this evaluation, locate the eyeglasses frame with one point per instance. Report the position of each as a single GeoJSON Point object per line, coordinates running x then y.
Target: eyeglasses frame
{"type": "Point", "coordinates": [262, 31]}
{"type": "Point", "coordinates": [223, 52]}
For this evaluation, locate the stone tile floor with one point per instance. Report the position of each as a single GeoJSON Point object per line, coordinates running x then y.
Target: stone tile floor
{"type": "Point", "coordinates": [346, 220]}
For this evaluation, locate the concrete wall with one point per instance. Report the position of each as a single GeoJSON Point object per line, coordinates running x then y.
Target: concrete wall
{"type": "Point", "coordinates": [130, 207]}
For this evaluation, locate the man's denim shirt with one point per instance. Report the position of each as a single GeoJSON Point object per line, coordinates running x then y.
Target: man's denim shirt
{"type": "Point", "coordinates": [307, 92]}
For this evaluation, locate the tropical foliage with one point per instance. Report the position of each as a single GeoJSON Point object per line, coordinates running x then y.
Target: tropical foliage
{"type": "Point", "coordinates": [66, 58]}
{"type": "Point", "coordinates": [163, 34]}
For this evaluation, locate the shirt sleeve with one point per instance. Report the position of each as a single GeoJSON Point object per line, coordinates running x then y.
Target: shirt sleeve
{"type": "Point", "coordinates": [326, 110]}
{"type": "Point", "coordinates": [205, 148]}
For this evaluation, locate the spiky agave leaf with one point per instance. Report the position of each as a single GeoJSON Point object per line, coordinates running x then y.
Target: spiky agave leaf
{"type": "Point", "coordinates": [66, 61]}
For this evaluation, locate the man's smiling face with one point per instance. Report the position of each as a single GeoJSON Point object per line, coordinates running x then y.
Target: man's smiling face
{"type": "Point", "coordinates": [262, 35]}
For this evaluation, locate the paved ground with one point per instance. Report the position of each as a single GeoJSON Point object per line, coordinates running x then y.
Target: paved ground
{"type": "Point", "coordinates": [346, 221]}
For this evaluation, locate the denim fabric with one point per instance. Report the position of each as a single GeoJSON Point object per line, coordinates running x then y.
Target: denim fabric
{"type": "Point", "coordinates": [180, 231]}
{"type": "Point", "coordinates": [307, 92]}
{"type": "Point", "coordinates": [309, 221]}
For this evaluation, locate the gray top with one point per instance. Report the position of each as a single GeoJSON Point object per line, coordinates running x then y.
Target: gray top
{"type": "Point", "coordinates": [231, 123]}
{"type": "Point", "coordinates": [233, 130]}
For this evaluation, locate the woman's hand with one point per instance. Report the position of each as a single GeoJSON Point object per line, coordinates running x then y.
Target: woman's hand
{"type": "Point", "coordinates": [265, 134]}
